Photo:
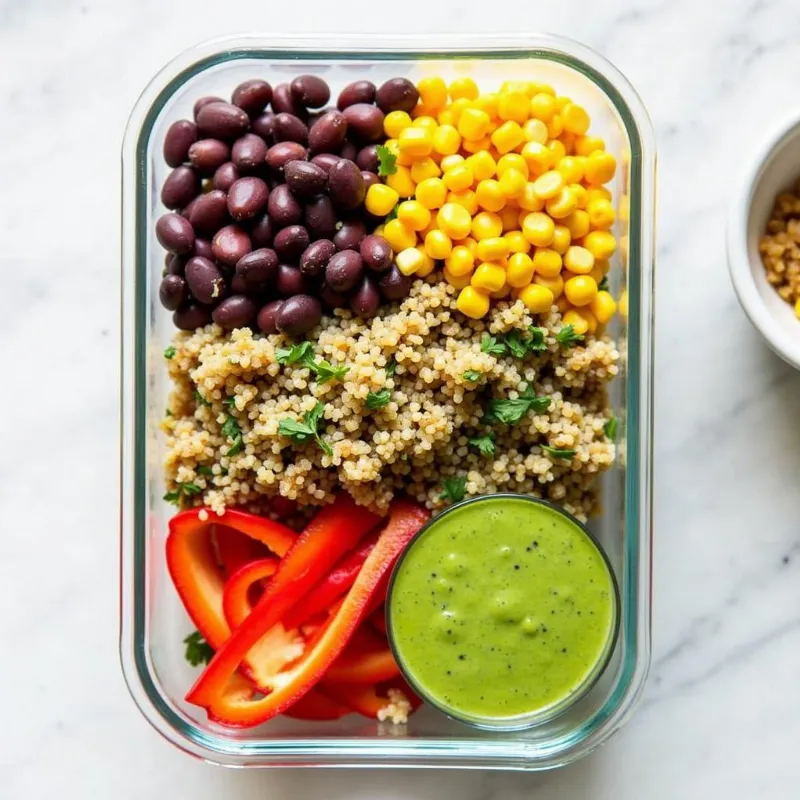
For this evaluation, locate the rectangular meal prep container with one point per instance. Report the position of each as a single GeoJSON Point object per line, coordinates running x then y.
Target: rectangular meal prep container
{"type": "Point", "coordinates": [153, 622]}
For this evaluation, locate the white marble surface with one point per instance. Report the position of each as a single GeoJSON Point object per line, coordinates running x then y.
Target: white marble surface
{"type": "Point", "coordinates": [721, 713]}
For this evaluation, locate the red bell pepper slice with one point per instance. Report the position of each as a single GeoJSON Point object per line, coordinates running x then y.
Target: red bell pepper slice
{"type": "Point", "coordinates": [317, 706]}
{"type": "Point", "coordinates": [363, 666]}
{"type": "Point", "coordinates": [235, 549]}
{"type": "Point", "coordinates": [378, 620]}
{"type": "Point", "coordinates": [192, 563]}
{"type": "Point", "coordinates": [370, 699]}
{"type": "Point", "coordinates": [308, 560]}
{"type": "Point", "coordinates": [336, 584]}
{"type": "Point", "coordinates": [236, 603]}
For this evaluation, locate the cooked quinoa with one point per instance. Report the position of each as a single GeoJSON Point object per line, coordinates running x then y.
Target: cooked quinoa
{"type": "Point", "coordinates": [414, 443]}
{"type": "Point", "coordinates": [780, 247]}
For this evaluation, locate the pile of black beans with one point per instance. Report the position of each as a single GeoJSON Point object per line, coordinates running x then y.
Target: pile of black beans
{"type": "Point", "coordinates": [267, 224]}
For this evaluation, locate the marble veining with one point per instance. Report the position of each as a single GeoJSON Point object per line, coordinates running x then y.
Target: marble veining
{"type": "Point", "coordinates": [721, 713]}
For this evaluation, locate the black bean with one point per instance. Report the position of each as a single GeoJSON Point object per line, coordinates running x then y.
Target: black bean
{"type": "Point", "coordinates": [279, 154]}
{"type": "Point", "coordinates": [349, 151]}
{"type": "Point", "coordinates": [180, 188]}
{"type": "Point", "coordinates": [320, 217]}
{"type": "Point", "coordinates": [346, 184]}
{"type": "Point", "coordinates": [364, 122]}
{"type": "Point", "coordinates": [344, 270]}
{"type": "Point", "coordinates": [209, 212]}
{"type": "Point", "coordinates": [370, 178]}
{"type": "Point", "coordinates": [205, 280]}
{"type": "Point", "coordinates": [315, 257]}
{"type": "Point", "coordinates": [208, 155]}
{"type": "Point", "coordinates": [298, 315]}
{"type": "Point", "coordinates": [350, 234]}
{"type": "Point", "coordinates": [249, 153]}
{"type": "Point", "coordinates": [175, 234]}
{"type": "Point", "coordinates": [180, 136]}
{"type": "Point", "coordinates": [222, 121]}
{"type": "Point", "coordinates": [376, 252]}
{"type": "Point", "coordinates": [331, 298]}
{"type": "Point", "coordinates": [325, 160]}
{"type": "Point", "coordinates": [394, 285]}
{"type": "Point", "coordinates": [284, 103]}
{"type": "Point", "coordinates": [310, 91]}
{"type": "Point", "coordinates": [247, 197]}
{"type": "Point", "coordinates": [328, 133]}
{"type": "Point", "coordinates": [262, 125]}
{"type": "Point", "coordinates": [202, 247]}
{"type": "Point", "coordinates": [175, 265]}
{"type": "Point", "coordinates": [252, 96]}
{"type": "Point", "coordinates": [283, 207]}
{"type": "Point", "coordinates": [291, 242]}
{"type": "Point", "coordinates": [202, 102]}
{"type": "Point", "coordinates": [290, 281]}
{"type": "Point", "coordinates": [366, 299]}
{"type": "Point", "coordinates": [230, 244]}
{"type": "Point", "coordinates": [225, 176]}
{"type": "Point", "coordinates": [236, 311]}
{"type": "Point", "coordinates": [397, 94]}
{"type": "Point", "coordinates": [356, 92]}
{"type": "Point", "coordinates": [173, 292]}
{"type": "Point", "coordinates": [262, 231]}
{"type": "Point", "coordinates": [192, 317]}
{"type": "Point", "coordinates": [266, 316]}
{"type": "Point", "coordinates": [256, 271]}
{"type": "Point", "coordinates": [304, 178]}
{"type": "Point", "coordinates": [288, 128]}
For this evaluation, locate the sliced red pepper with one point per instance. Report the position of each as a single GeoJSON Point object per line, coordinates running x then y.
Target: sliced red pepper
{"type": "Point", "coordinates": [311, 557]}
{"type": "Point", "coordinates": [369, 700]}
{"type": "Point", "coordinates": [378, 619]}
{"type": "Point", "coordinates": [336, 584]}
{"type": "Point", "coordinates": [236, 603]}
{"type": "Point", "coordinates": [317, 706]}
{"type": "Point", "coordinates": [235, 549]}
{"type": "Point", "coordinates": [363, 666]}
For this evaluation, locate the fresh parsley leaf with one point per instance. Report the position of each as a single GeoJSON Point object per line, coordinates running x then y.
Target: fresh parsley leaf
{"type": "Point", "coordinates": [168, 413]}
{"type": "Point", "coordinates": [515, 343]}
{"type": "Point", "coordinates": [230, 402]}
{"type": "Point", "coordinates": [294, 354]}
{"type": "Point", "coordinates": [182, 490]}
{"type": "Point", "coordinates": [537, 343]}
{"type": "Point", "coordinates": [471, 375]}
{"type": "Point", "coordinates": [204, 469]}
{"type": "Point", "coordinates": [490, 345]}
{"type": "Point", "coordinates": [603, 285]}
{"type": "Point", "coordinates": [376, 400]}
{"type": "Point", "coordinates": [170, 353]}
{"type": "Point", "coordinates": [567, 336]}
{"type": "Point", "coordinates": [554, 452]}
{"type": "Point", "coordinates": [387, 161]}
{"type": "Point", "coordinates": [453, 488]}
{"type": "Point", "coordinates": [325, 371]}
{"type": "Point", "coordinates": [391, 367]}
{"type": "Point", "coordinates": [231, 430]}
{"type": "Point", "coordinates": [173, 497]}
{"type": "Point", "coordinates": [199, 399]}
{"type": "Point", "coordinates": [392, 214]}
{"type": "Point", "coordinates": [307, 429]}
{"type": "Point", "coordinates": [485, 444]}
{"type": "Point", "coordinates": [610, 429]}
{"type": "Point", "coordinates": [190, 489]}
{"type": "Point", "coordinates": [513, 410]}
{"type": "Point", "coordinates": [198, 650]}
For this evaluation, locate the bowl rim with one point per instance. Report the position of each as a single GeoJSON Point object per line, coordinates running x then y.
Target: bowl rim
{"type": "Point", "coordinates": [740, 265]}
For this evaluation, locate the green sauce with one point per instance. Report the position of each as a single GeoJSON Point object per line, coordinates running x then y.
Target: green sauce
{"type": "Point", "coordinates": [502, 607]}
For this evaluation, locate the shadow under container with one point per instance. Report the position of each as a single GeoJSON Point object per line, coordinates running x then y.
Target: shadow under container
{"type": "Point", "coordinates": [153, 622]}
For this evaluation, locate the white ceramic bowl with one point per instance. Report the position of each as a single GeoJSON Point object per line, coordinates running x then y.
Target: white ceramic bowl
{"type": "Point", "coordinates": [775, 168]}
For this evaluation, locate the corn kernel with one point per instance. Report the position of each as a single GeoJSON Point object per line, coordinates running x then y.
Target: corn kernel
{"type": "Point", "coordinates": [513, 106]}
{"type": "Point", "coordinates": [460, 261]}
{"type": "Point", "coordinates": [597, 193]}
{"type": "Point", "coordinates": [458, 178]}
{"type": "Point", "coordinates": [557, 149]}
{"type": "Point", "coordinates": [538, 299]}
{"type": "Point", "coordinates": [425, 121]}
{"type": "Point", "coordinates": [428, 264]}
{"type": "Point", "coordinates": [547, 262]}
{"type": "Point", "coordinates": [563, 305]}
{"type": "Point", "coordinates": [591, 320]}
{"type": "Point", "coordinates": [517, 243]}
{"type": "Point", "coordinates": [535, 130]}
{"type": "Point", "coordinates": [470, 243]}
{"type": "Point", "coordinates": [555, 126]}
{"type": "Point", "coordinates": [431, 226]}
{"type": "Point", "coordinates": [519, 272]}
{"type": "Point", "coordinates": [446, 140]}
{"type": "Point", "coordinates": [448, 162]}
{"type": "Point", "coordinates": [409, 260]}
{"type": "Point", "coordinates": [561, 239]}
{"type": "Point", "coordinates": [402, 182]}
{"type": "Point", "coordinates": [512, 161]}
{"type": "Point", "coordinates": [421, 110]}
{"type": "Point", "coordinates": [555, 285]}
{"type": "Point", "coordinates": [586, 145]}
{"type": "Point", "coordinates": [466, 199]}
{"type": "Point", "coordinates": [580, 194]}
{"type": "Point", "coordinates": [543, 106]}
{"type": "Point", "coordinates": [548, 185]}
{"type": "Point", "coordinates": [529, 200]}
{"type": "Point", "coordinates": [473, 124]}
{"type": "Point", "coordinates": [395, 122]}
{"type": "Point", "coordinates": [424, 168]}
{"type": "Point", "coordinates": [508, 216]}
{"type": "Point", "coordinates": [459, 281]}
{"type": "Point", "coordinates": [438, 244]}
{"type": "Point", "coordinates": [601, 214]}
{"type": "Point", "coordinates": [415, 142]}
{"type": "Point", "coordinates": [538, 228]}
{"type": "Point", "coordinates": [493, 248]}
{"type": "Point", "coordinates": [432, 92]}
{"type": "Point", "coordinates": [414, 215]}
{"type": "Point", "coordinates": [571, 168]}
{"type": "Point", "coordinates": [488, 103]}
{"type": "Point", "coordinates": [431, 192]}
{"type": "Point", "coordinates": [600, 167]}
{"type": "Point", "coordinates": [580, 290]}
{"type": "Point", "coordinates": [486, 224]}
{"type": "Point", "coordinates": [512, 183]}
{"type": "Point", "coordinates": [465, 88]}
{"type": "Point", "coordinates": [398, 235]}
{"type": "Point", "coordinates": [472, 303]}
{"type": "Point", "coordinates": [380, 199]}
{"type": "Point", "coordinates": [507, 136]}
{"type": "Point", "coordinates": [601, 244]}
{"type": "Point", "coordinates": [579, 260]}
{"type": "Point", "coordinates": [447, 116]}
{"type": "Point", "coordinates": [525, 87]}
{"type": "Point", "coordinates": [479, 145]}
{"type": "Point", "coordinates": [500, 294]}
{"type": "Point", "coordinates": [489, 276]}
{"type": "Point", "coordinates": [577, 223]}
{"type": "Point", "coordinates": [483, 165]}
{"type": "Point", "coordinates": [579, 323]}
{"type": "Point", "coordinates": [575, 118]}
{"type": "Point", "coordinates": [454, 220]}
{"type": "Point", "coordinates": [603, 307]}
{"type": "Point", "coordinates": [568, 141]}
{"type": "Point", "coordinates": [563, 204]}
{"type": "Point", "coordinates": [489, 195]}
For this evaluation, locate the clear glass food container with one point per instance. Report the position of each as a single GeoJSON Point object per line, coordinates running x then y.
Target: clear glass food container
{"type": "Point", "coordinates": [153, 622]}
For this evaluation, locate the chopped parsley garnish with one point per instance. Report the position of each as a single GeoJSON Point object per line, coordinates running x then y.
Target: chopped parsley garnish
{"type": "Point", "coordinates": [392, 214]}
{"type": "Point", "coordinates": [303, 354]}
{"type": "Point", "coordinates": [485, 444]}
{"type": "Point", "coordinates": [567, 336]}
{"type": "Point", "coordinates": [516, 344]}
{"type": "Point", "coordinates": [325, 371]}
{"type": "Point", "coordinates": [230, 402]}
{"type": "Point", "coordinates": [453, 489]}
{"type": "Point", "coordinates": [610, 429]}
{"type": "Point", "coordinates": [512, 411]}
{"type": "Point", "coordinates": [198, 650]}
{"type": "Point", "coordinates": [379, 399]}
{"type": "Point", "coordinates": [170, 353]}
{"type": "Point", "coordinates": [471, 375]}
{"type": "Point", "coordinates": [387, 161]}
{"type": "Point", "coordinates": [536, 343]}
{"type": "Point", "coordinates": [490, 345]}
{"type": "Point", "coordinates": [307, 429]}
{"type": "Point", "coordinates": [233, 431]}
{"type": "Point", "coordinates": [391, 367]}
{"type": "Point", "coordinates": [603, 285]}
{"type": "Point", "coordinates": [168, 412]}
{"type": "Point", "coordinates": [554, 452]}
{"type": "Point", "coordinates": [182, 490]}
{"type": "Point", "coordinates": [204, 469]}
{"type": "Point", "coordinates": [199, 399]}
{"type": "Point", "coordinates": [296, 353]}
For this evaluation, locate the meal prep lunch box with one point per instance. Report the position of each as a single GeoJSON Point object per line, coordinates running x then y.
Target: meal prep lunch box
{"type": "Point", "coordinates": [153, 622]}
